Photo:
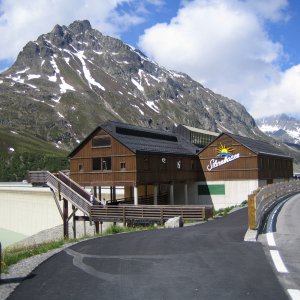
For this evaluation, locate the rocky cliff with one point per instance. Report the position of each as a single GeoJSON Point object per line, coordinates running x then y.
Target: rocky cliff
{"type": "Point", "coordinates": [69, 80]}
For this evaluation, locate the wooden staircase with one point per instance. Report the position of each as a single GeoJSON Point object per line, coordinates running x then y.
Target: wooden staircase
{"type": "Point", "coordinates": [66, 190]}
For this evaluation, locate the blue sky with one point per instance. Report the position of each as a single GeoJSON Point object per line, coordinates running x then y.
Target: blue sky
{"type": "Point", "coordinates": [247, 50]}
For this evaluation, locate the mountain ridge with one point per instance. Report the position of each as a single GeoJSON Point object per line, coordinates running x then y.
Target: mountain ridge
{"type": "Point", "coordinates": [74, 68]}
{"type": "Point", "coordinates": [73, 78]}
{"type": "Point", "coordinates": [281, 127]}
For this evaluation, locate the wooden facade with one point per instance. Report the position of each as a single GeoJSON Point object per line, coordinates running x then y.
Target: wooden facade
{"type": "Point", "coordinates": [103, 160]}
{"type": "Point", "coordinates": [160, 167]}
{"type": "Point", "coordinates": [248, 162]}
{"type": "Point", "coordinates": [83, 170]}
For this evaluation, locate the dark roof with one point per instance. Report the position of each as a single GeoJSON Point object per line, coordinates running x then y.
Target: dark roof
{"type": "Point", "coordinates": [141, 139]}
{"type": "Point", "coordinates": [257, 146]}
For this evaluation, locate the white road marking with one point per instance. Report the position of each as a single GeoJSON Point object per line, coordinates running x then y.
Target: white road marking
{"type": "Point", "coordinates": [294, 294]}
{"type": "Point", "coordinates": [270, 239]}
{"type": "Point", "coordinates": [278, 261]}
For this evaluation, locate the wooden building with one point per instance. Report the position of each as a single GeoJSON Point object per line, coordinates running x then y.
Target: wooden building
{"type": "Point", "coordinates": [146, 162]}
{"type": "Point", "coordinates": [158, 167]}
{"type": "Point", "coordinates": [234, 166]}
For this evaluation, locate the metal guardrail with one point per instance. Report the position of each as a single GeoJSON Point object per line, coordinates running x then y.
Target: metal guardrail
{"type": "Point", "coordinates": [264, 199]}
{"type": "Point", "coordinates": [64, 188]}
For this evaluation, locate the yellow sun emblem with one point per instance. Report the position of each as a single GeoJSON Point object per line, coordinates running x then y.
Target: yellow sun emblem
{"type": "Point", "coordinates": [224, 151]}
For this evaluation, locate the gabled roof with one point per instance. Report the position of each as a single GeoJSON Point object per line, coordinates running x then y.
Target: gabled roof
{"type": "Point", "coordinates": [256, 146]}
{"type": "Point", "coordinates": [141, 139]}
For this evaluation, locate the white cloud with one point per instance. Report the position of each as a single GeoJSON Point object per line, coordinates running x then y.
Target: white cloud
{"type": "Point", "coordinates": [283, 95]}
{"type": "Point", "coordinates": [23, 21]}
{"type": "Point", "coordinates": [224, 45]}
{"type": "Point", "coordinates": [272, 10]}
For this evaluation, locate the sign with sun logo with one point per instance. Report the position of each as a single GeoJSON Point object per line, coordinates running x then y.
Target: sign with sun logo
{"type": "Point", "coordinates": [226, 155]}
{"type": "Point", "coordinates": [224, 151]}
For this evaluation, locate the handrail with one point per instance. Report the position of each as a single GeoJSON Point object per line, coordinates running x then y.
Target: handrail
{"type": "Point", "coordinates": [74, 186]}
{"type": "Point", "coordinates": [65, 189]}
{"type": "Point", "coordinates": [261, 201]}
{"type": "Point", "coordinates": [72, 192]}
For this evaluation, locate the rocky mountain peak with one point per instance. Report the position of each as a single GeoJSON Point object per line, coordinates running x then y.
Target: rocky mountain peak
{"type": "Point", "coordinates": [71, 79]}
{"type": "Point", "coordinates": [282, 127]}
{"type": "Point", "coordinates": [78, 27]}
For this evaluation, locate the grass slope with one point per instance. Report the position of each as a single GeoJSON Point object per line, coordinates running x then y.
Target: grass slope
{"type": "Point", "coordinates": [21, 152]}
{"type": "Point", "coordinates": [25, 142]}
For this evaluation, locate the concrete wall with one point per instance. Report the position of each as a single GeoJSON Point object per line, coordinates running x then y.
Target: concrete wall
{"type": "Point", "coordinates": [236, 192]}
{"type": "Point", "coordinates": [28, 210]}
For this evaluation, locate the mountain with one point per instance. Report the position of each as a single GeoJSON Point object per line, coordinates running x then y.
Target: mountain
{"type": "Point", "coordinates": [69, 80]}
{"type": "Point", "coordinates": [281, 127]}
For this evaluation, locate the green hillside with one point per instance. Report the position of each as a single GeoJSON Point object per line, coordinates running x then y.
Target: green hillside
{"type": "Point", "coordinates": [21, 152]}
{"type": "Point", "coordinates": [25, 142]}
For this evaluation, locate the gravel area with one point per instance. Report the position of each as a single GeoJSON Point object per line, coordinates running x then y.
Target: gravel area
{"type": "Point", "coordinates": [19, 271]}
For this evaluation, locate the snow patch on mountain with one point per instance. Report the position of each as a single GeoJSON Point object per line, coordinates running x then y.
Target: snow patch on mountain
{"type": "Point", "coordinates": [87, 72]}
{"type": "Point", "coordinates": [152, 105]}
{"type": "Point", "coordinates": [281, 127]}
{"type": "Point", "coordinates": [138, 85]}
{"type": "Point", "coordinates": [56, 99]}
{"type": "Point", "coordinates": [33, 76]}
{"type": "Point", "coordinates": [33, 86]}
{"type": "Point", "coordinates": [141, 112]}
{"type": "Point", "coordinates": [16, 79]}
{"type": "Point", "coordinates": [23, 71]}
{"type": "Point", "coordinates": [52, 78]}
{"type": "Point", "coordinates": [67, 60]}
{"type": "Point", "coordinates": [269, 128]}
{"type": "Point", "coordinates": [295, 133]}
{"type": "Point", "coordinates": [65, 86]}
{"type": "Point", "coordinates": [54, 65]}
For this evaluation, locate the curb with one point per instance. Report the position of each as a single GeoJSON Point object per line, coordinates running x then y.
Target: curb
{"type": "Point", "coordinates": [250, 236]}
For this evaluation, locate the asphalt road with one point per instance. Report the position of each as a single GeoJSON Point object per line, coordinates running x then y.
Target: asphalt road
{"type": "Point", "coordinates": [281, 241]}
{"type": "Point", "coordinates": [207, 261]}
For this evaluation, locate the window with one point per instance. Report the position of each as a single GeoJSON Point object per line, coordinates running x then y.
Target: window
{"type": "Point", "coordinates": [101, 141]}
{"type": "Point", "coordinates": [146, 163]}
{"type": "Point", "coordinates": [192, 164]}
{"type": "Point", "coordinates": [101, 163]}
{"type": "Point", "coordinates": [80, 168]}
{"type": "Point", "coordinates": [123, 166]}
{"type": "Point", "coordinates": [96, 164]}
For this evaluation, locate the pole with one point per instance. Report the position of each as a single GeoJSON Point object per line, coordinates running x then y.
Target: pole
{"type": "Point", "coordinates": [65, 213]}
{"type": "Point", "coordinates": [74, 221]}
